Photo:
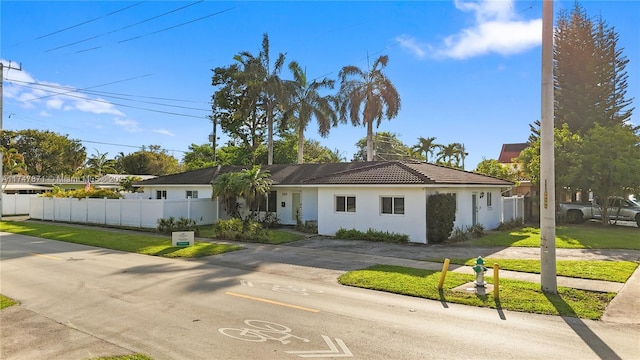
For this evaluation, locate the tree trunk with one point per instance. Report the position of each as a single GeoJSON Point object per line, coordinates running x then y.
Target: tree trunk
{"type": "Point", "coordinates": [270, 135]}
{"type": "Point", "coordinates": [300, 146]}
{"type": "Point", "coordinates": [370, 140]}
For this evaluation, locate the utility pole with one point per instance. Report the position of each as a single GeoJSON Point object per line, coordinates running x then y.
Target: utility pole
{"type": "Point", "coordinates": [9, 67]}
{"type": "Point", "coordinates": [548, 278]}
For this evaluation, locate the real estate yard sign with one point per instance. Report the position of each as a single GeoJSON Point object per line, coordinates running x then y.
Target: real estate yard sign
{"type": "Point", "coordinates": [182, 238]}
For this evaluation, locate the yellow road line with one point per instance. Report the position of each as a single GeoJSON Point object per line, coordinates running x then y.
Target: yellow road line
{"type": "Point", "coordinates": [46, 256]}
{"type": "Point", "coordinates": [272, 302]}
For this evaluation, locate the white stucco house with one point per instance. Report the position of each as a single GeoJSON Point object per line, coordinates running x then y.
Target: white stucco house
{"type": "Point", "coordinates": [381, 195]}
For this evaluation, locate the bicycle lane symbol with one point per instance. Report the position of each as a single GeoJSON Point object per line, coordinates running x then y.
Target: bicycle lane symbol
{"type": "Point", "coordinates": [261, 331]}
{"type": "Point", "coordinates": [287, 289]}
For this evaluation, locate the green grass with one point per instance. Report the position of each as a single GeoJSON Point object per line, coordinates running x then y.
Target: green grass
{"type": "Point", "coordinates": [131, 242]}
{"type": "Point", "coordinates": [5, 302]}
{"type": "Point", "coordinates": [124, 357]}
{"type": "Point", "coordinates": [615, 271]}
{"type": "Point", "coordinates": [515, 295]}
{"type": "Point", "coordinates": [586, 236]}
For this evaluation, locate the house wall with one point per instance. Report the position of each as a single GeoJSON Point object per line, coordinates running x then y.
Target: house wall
{"type": "Point", "coordinates": [368, 211]}
{"type": "Point", "coordinates": [308, 204]}
{"type": "Point", "coordinates": [178, 192]}
{"type": "Point", "coordinates": [488, 216]}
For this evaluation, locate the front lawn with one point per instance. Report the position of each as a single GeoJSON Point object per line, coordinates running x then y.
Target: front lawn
{"type": "Point", "coordinates": [586, 236]}
{"type": "Point", "coordinates": [130, 242]}
{"type": "Point", "coordinates": [5, 302]}
{"type": "Point", "coordinates": [515, 295]}
{"type": "Point", "coordinates": [616, 271]}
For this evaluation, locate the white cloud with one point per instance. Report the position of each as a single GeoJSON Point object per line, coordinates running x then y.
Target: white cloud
{"type": "Point", "coordinates": [409, 43]}
{"type": "Point", "coordinates": [497, 29]}
{"type": "Point", "coordinates": [164, 132]}
{"type": "Point", "coordinates": [127, 125]}
{"type": "Point", "coordinates": [31, 93]}
{"type": "Point", "coordinates": [44, 114]}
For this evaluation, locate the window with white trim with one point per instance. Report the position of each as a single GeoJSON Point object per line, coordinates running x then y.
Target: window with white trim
{"type": "Point", "coordinates": [345, 203]}
{"type": "Point", "coordinates": [392, 205]}
{"type": "Point", "coordinates": [192, 194]}
{"type": "Point", "coordinates": [489, 200]}
{"type": "Point", "coordinates": [161, 194]}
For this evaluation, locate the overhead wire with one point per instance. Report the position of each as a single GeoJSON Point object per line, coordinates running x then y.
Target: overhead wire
{"type": "Point", "coordinates": [89, 21]}
{"type": "Point", "coordinates": [124, 27]}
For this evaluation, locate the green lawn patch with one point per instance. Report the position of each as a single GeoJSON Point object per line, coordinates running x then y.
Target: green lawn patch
{"type": "Point", "coordinates": [586, 236]}
{"type": "Point", "coordinates": [5, 302]}
{"type": "Point", "coordinates": [130, 242]}
{"type": "Point", "coordinates": [124, 357]}
{"type": "Point", "coordinates": [615, 271]}
{"type": "Point", "coordinates": [515, 295]}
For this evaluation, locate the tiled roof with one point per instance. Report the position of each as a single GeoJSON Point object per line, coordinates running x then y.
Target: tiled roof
{"type": "Point", "coordinates": [399, 172]}
{"type": "Point", "coordinates": [511, 151]}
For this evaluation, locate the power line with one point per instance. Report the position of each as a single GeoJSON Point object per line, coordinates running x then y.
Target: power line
{"type": "Point", "coordinates": [72, 90]}
{"type": "Point", "coordinates": [124, 27]}
{"type": "Point", "coordinates": [92, 87]}
{"type": "Point", "coordinates": [175, 26]}
{"type": "Point", "coordinates": [88, 21]}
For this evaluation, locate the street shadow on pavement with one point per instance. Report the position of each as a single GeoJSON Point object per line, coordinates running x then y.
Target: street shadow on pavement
{"type": "Point", "coordinates": [587, 335]}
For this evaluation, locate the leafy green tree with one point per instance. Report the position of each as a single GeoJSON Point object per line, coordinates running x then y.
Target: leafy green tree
{"type": "Point", "coordinates": [367, 97]}
{"type": "Point", "coordinates": [589, 73]}
{"type": "Point", "coordinates": [610, 161]}
{"type": "Point", "coordinates": [425, 147]}
{"type": "Point", "coordinates": [567, 147]}
{"type": "Point", "coordinates": [285, 151]}
{"type": "Point", "coordinates": [236, 103]}
{"type": "Point", "coordinates": [255, 185]}
{"type": "Point", "coordinates": [307, 103]}
{"type": "Point", "coordinates": [151, 161]}
{"type": "Point", "coordinates": [198, 157]}
{"type": "Point", "coordinates": [387, 147]}
{"type": "Point", "coordinates": [45, 153]}
{"type": "Point", "coordinates": [493, 167]}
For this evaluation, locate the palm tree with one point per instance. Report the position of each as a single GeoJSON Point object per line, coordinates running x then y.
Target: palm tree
{"type": "Point", "coordinates": [267, 84]}
{"type": "Point", "coordinates": [425, 146]}
{"type": "Point", "coordinates": [461, 154]}
{"type": "Point", "coordinates": [99, 165]}
{"type": "Point", "coordinates": [370, 91]}
{"type": "Point", "coordinates": [447, 154]}
{"type": "Point", "coordinates": [254, 186]}
{"type": "Point", "coordinates": [12, 164]}
{"type": "Point", "coordinates": [226, 187]}
{"type": "Point", "coordinates": [306, 102]}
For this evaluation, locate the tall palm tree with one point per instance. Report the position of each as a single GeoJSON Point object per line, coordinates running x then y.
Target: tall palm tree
{"type": "Point", "coordinates": [425, 146]}
{"type": "Point", "coordinates": [306, 102]}
{"type": "Point", "coordinates": [447, 154]}
{"type": "Point", "coordinates": [367, 97]}
{"type": "Point", "coordinates": [267, 83]}
{"type": "Point", "coordinates": [461, 154]}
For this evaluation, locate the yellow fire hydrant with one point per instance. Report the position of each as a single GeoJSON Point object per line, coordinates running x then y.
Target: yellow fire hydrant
{"type": "Point", "coordinates": [480, 269]}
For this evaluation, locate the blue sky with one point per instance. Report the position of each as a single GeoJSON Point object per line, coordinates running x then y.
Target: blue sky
{"type": "Point", "coordinates": [102, 72]}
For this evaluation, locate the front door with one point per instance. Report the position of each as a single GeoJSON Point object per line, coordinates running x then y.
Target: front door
{"type": "Point", "coordinates": [474, 208]}
{"type": "Point", "coordinates": [295, 205]}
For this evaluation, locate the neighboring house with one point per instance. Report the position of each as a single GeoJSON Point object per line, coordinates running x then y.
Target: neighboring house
{"type": "Point", "coordinates": [508, 153]}
{"type": "Point", "coordinates": [381, 195]}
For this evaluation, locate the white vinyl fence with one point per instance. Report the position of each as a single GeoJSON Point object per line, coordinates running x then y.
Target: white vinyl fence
{"type": "Point", "coordinates": [141, 213]}
{"type": "Point", "coordinates": [512, 208]}
{"type": "Point", "coordinates": [15, 204]}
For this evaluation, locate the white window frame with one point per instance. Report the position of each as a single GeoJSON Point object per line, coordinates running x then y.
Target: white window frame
{"type": "Point", "coordinates": [489, 199]}
{"type": "Point", "coordinates": [393, 205]}
{"type": "Point", "coordinates": [346, 204]}
{"type": "Point", "coordinates": [194, 194]}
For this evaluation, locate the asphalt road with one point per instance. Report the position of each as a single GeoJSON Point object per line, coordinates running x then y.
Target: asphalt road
{"type": "Point", "coordinates": [79, 302]}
